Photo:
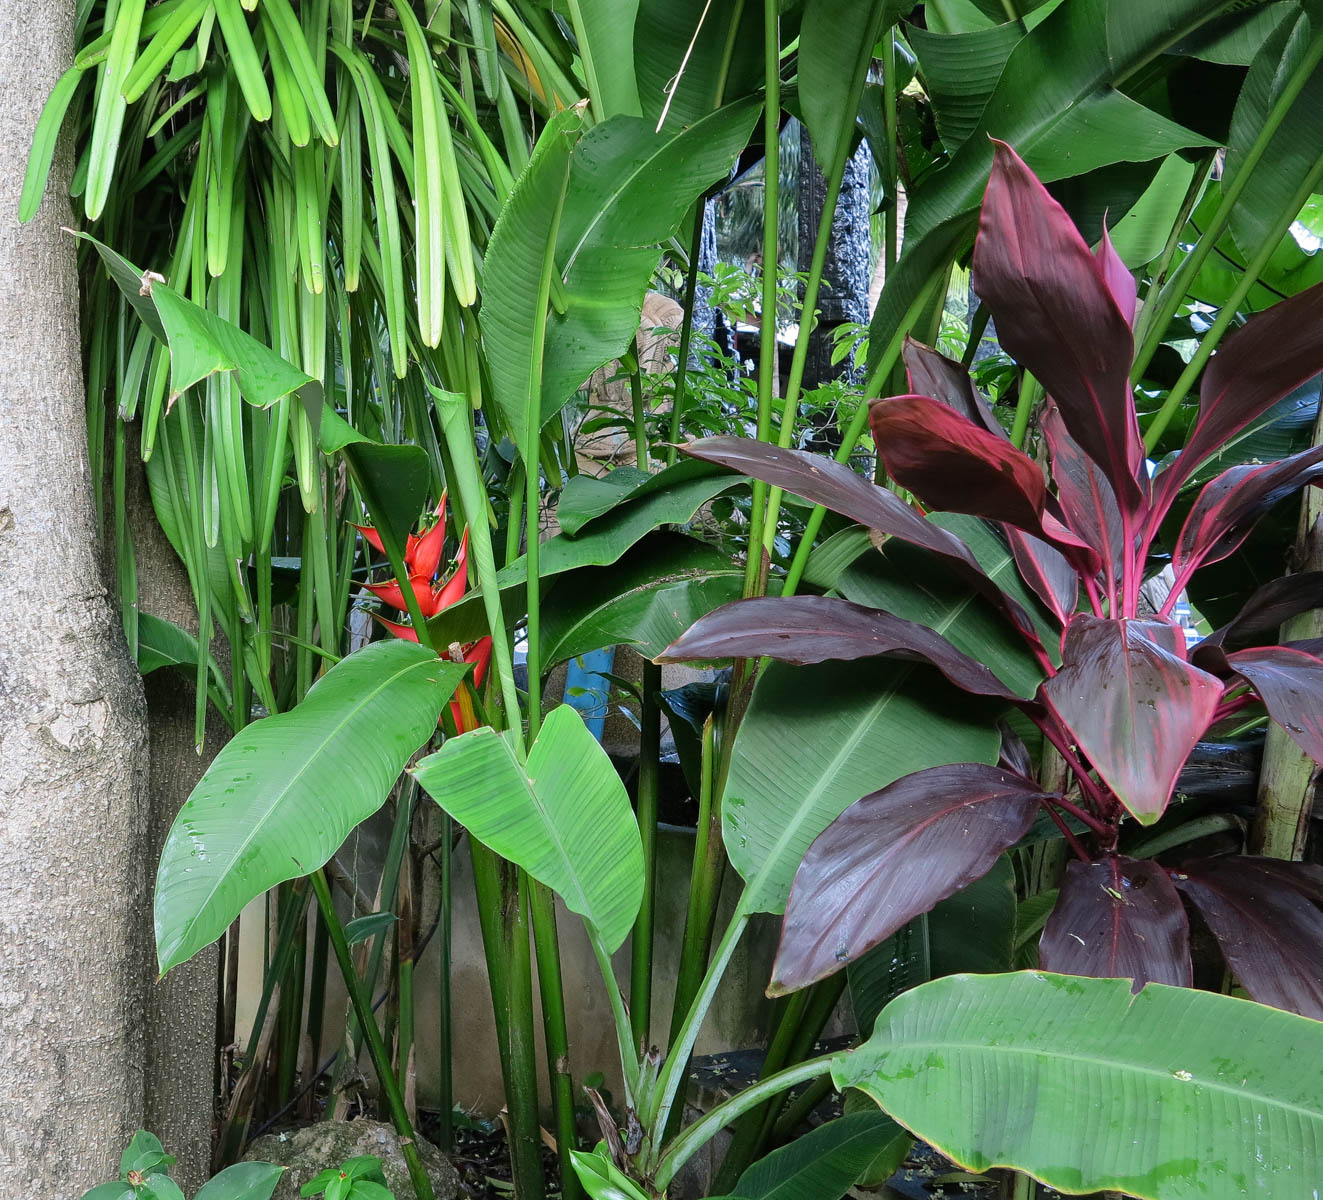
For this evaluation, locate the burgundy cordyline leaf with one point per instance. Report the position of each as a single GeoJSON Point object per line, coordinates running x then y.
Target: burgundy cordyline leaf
{"type": "Point", "coordinates": [1014, 754]}
{"type": "Point", "coordinates": [893, 855]}
{"type": "Point", "coordinates": [954, 465]}
{"type": "Point", "coordinates": [1266, 609]}
{"type": "Point", "coordinates": [1056, 314]}
{"type": "Point", "coordinates": [1290, 684]}
{"type": "Point", "coordinates": [809, 629]}
{"type": "Point", "coordinates": [1274, 353]}
{"type": "Point", "coordinates": [1116, 275]}
{"type": "Point", "coordinates": [1271, 935]}
{"type": "Point", "coordinates": [1084, 493]}
{"type": "Point", "coordinates": [1118, 918]}
{"type": "Point", "coordinates": [1230, 506]}
{"type": "Point", "coordinates": [933, 374]}
{"type": "Point", "coordinates": [835, 486]}
{"type": "Point", "coordinates": [1045, 569]}
{"type": "Point", "coordinates": [1133, 704]}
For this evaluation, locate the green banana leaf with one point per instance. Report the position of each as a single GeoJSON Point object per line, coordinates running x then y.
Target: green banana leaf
{"type": "Point", "coordinates": [284, 793]}
{"type": "Point", "coordinates": [564, 817]}
{"type": "Point", "coordinates": [606, 45]}
{"type": "Point", "coordinates": [646, 600]}
{"type": "Point", "coordinates": [815, 739]}
{"type": "Point", "coordinates": [829, 77]}
{"type": "Point", "coordinates": [1170, 1094]}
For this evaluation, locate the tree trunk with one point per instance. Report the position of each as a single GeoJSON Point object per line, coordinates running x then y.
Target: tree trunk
{"type": "Point", "coordinates": [73, 871]}
{"type": "Point", "coordinates": [180, 1053]}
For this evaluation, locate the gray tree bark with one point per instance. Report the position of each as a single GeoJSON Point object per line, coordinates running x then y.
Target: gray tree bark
{"type": "Point", "coordinates": [180, 1047]}
{"type": "Point", "coordinates": [73, 876]}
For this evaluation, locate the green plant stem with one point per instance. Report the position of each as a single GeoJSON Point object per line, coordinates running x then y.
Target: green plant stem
{"type": "Point", "coordinates": [1172, 294]}
{"type": "Point", "coordinates": [686, 330]}
{"type": "Point", "coordinates": [542, 907]}
{"type": "Point", "coordinates": [977, 326]}
{"type": "Point", "coordinates": [705, 1128]}
{"type": "Point", "coordinates": [856, 428]}
{"type": "Point", "coordinates": [786, 433]}
{"type": "Point", "coordinates": [890, 171]}
{"type": "Point", "coordinates": [704, 887]}
{"type": "Point", "coordinates": [509, 970]}
{"type": "Point", "coordinates": [362, 1003]}
{"type": "Point", "coordinates": [533, 590]}
{"type": "Point", "coordinates": [629, 1059]}
{"type": "Point", "coordinates": [767, 348]}
{"type": "Point", "coordinates": [640, 967]}
{"type": "Point", "coordinates": [1023, 1187]}
{"type": "Point", "coordinates": [796, 1112]}
{"type": "Point", "coordinates": [456, 425]}
{"type": "Point", "coordinates": [445, 1017]}
{"type": "Point", "coordinates": [1229, 309]}
{"type": "Point", "coordinates": [677, 1061]}
{"type": "Point", "coordinates": [1031, 391]}
{"type": "Point", "coordinates": [640, 413]}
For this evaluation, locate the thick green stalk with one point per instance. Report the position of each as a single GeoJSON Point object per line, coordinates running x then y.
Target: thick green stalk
{"type": "Point", "coordinates": [505, 944]}
{"type": "Point", "coordinates": [673, 1070]}
{"type": "Point", "coordinates": [1289, 777]}
{"type": "Point", "coordinates": [889, 165]}
{"type": "Point", "coordinates": [1231, 306]}
{"type": "Point", "coordinates": [767, 348]}
{"type": "Point", "coordinates": [533, 590]}
{"type": "Point", "coordinates": [1172, 294]}
{"type": "Point", "coordinates": [640, 415]}
{"type": "Point", "coordinates": [686, 331]}
{"type": "Point", "coordinates": [704, 886]}
{"type": "Point", "coordinates": [362, 1003]}
{"type": "Point", "coordinates": [542, 907]}
{"type": "Point", "coordinates": [683, 1148]}
{"type": "Point", "coordinates": [445, 1019]}
{"type": "Point", "coordinates": [629, 1059]}
{"type": "Point", "coordinates": [640, 967]}
{"type": "Point", "coordinates": [1031, 392]}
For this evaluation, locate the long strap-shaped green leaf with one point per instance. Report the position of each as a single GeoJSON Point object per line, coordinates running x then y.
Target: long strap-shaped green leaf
{"type": "Point", "coordinates": [1169, 1094]}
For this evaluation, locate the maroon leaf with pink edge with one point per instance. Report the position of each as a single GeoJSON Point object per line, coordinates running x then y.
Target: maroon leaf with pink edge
{"type": "Point", "coordinates": [1045, 569]}
{"type": "Point", "coordinates": [835, 486]}
{"type": "Point", "coordinates": [893, 855]}
{"type": "Point", "coordinates": [1290, 684]}
{"type": "Point", "coordinates": [1116, 275]}
{"type": "Point", "coordinates": [1118, 918]}
{"type": "Point", "coordinates": [1085, 495]}
{"type": "Point", "coordinates": [811, 629]}
{"type": "Point", "coordinates": [1266, 609]}
{"type": "Point", "coordinates": [1133, 704]}
{"type": "Point", "coordinates": [1231, 505]}
{"type": "Point", "coordinates": [1056, 314]}
{"type": "Point", "coordinates": [1305, 878]}
{"type": "Point", "coordinates": [1272, 354]}
{"type": "Point", "coordinates": [1270, 934]}
{"type": "Point", "coordinates": [933, 374]}
{"type": "Point", "coordinates": [954, 465]}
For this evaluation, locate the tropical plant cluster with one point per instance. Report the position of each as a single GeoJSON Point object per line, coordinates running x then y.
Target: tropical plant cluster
{"type": "Point", "coordinates": [348, 269]}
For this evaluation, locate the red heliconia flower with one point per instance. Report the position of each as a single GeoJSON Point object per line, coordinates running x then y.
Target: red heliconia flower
{"type": "Point", "coordinates": [424, 553]}
{"type": "Point", "coordinates": [479, 653]}
{"type": "Point", "coordinates": [392, 594]}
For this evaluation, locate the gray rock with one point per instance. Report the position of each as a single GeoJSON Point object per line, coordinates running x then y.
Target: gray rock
{"type": "Point", "coordinates": [329, 1143]}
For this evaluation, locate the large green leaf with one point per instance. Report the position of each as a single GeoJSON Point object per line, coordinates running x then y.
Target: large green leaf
{"type": "Point", "coordinates": [692, 55]}
{"type": "Point", "coordinates": [162, 643]}
{"type": "Point", "coordinates": [1169, 1094]}
{"type": "Point", "coordinates": [630, 188]}
{"type": "Point", "coordinates": [606, 46]}
{"type": "Point", "coordinates": [646, 600]}
{"type": "Point", "coordinates": [565, 818]}
{"type": "Point", "coordinates": [822, 1164]}
{"type": "Point", "coordinates": [960, 72]}
{"type": "Point", "coordinates": [1056, 104]}
{"type": "Point", "coordinates": [285, 792]}
{"type": "Point", "coordinates": [829, 77]}
{"type": "Point", "coordinates": [1293, 150]}
{"type": "Point", "coordinates": [520, 257]}
{"type": "Point", "coordinates": [815, 739]}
